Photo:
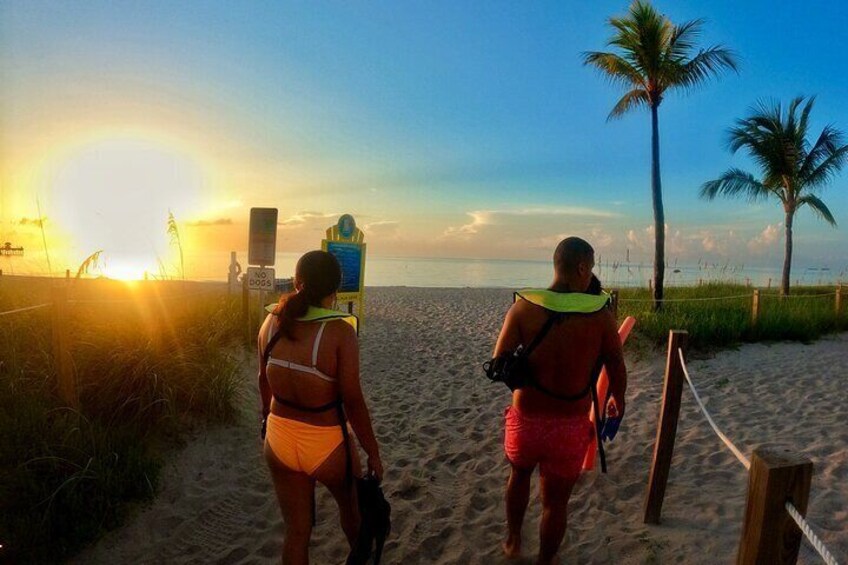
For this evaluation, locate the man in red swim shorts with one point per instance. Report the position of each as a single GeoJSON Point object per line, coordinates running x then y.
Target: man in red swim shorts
{"type": "Point", "coordinates": [544, 430]}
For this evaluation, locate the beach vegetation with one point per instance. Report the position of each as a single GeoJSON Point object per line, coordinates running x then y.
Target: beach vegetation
{"type": "Point", "coordinates": [721, 315]}
{"type": "Point", "coordinates": [792, 169]}
{"type": "Point", "coordinates": [651, 57]}
{"type": "Point", "coordinates": [90, 263]}
{"type": "Point", "coordinates": [154, 363]}
{"type": "Point", "coordinates": [174, 233]}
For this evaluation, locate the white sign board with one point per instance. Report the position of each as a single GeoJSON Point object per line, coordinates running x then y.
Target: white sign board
{"type": "Point", "coordinates": [260, 279]}
{"type": "Point", "coordinates": [263, 237]}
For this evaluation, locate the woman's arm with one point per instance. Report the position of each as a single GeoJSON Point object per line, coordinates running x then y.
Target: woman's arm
{"type": "Point", "coordinates": [264, 387]}
{"type": "Point", "coordinates": [354, 400]}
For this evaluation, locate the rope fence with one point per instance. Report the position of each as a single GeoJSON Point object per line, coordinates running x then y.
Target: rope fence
{"type": "Point", "coordinates": [777, 480]}
{"type": "Point", "coordinates": [182, 296]}
{"type": "Point", "coordinates": [735, 450]}
{"type": "Point", "coordinates": [817, 544]}
{"type": "Point", "coordinates": [25, 309]}
{"type": "Point", "coordinates": [702, 299]}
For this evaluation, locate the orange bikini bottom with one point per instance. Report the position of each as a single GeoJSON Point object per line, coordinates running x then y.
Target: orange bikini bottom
{"type": "Point", "coordinates": [300, 446]}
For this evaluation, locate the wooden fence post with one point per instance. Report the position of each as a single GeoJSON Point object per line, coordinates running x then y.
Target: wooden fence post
{"type": "Point", "coordinates": [614, 297]}
{"type": "Point", "coordinates": [838, 304]}
{"type": "Point", "coordinates": [62, 360]}
{"type": "Point", "coordinates": [755, 307]}
{"type": "Point", "coordinates": [666, 428]}
{"type": "Point", "coordinates": [769, 535]}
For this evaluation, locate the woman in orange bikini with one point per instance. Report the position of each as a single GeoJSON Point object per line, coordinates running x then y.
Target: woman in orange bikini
{"type": "Point", "coordinates": [309, 384]}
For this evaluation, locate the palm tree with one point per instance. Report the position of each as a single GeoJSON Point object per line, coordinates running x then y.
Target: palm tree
{"type": "Point", "coordinates": [792, 169]}
{"type": "Point", "coordinates": [654, 56]}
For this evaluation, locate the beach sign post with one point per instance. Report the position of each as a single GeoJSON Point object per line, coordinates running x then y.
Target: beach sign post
{"type": "Point", "coordinates": [261, 252]}
{"type": "Point", "coordinates": [346, 242]}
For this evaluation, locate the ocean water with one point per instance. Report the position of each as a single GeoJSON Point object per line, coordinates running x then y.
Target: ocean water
{"type": "Point", "coordinates": [477, 273]}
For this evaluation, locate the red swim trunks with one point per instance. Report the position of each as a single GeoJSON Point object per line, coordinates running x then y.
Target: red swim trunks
{"type": "Point", "coordinates": [556, 443]}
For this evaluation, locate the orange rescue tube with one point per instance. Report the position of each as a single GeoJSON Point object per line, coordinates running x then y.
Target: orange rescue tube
{"type": "Point", "coordinates": [603, 385]}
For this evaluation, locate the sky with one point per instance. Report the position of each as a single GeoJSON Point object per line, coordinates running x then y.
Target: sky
{"type": "Point", "coordinates": [448, 129]}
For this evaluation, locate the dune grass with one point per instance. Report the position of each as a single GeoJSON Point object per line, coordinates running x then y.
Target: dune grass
{"type": "Point", "coordinates": [149, 366]}
{"type": "Point", "coordinates": [807, 314]}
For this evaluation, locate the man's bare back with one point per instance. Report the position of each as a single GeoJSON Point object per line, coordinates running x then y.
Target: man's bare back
{"type": "Point", "coordinates": [564, 360]}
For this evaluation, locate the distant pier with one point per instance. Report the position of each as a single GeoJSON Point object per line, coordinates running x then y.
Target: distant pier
{"type": "Point", "coordinates": [8, 250]}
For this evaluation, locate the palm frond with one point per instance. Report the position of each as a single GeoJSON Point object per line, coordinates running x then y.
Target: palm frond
{"type": "Point", "coordinates": [819, 207]}
{"type": "Point", "coordinates": [683, 39]}
{"type": "Point", "coordinates": [829, 142]}
{"type": "Point", "coordinates": [633, 99]}
{"type": "Point", "coordinates": [827, 169]}
{"type": "Point", "coordinates": [804, 120]}
{"type": "Point", "coordinates": [707, 64]}
{"type": "Point", "coordinates": [735, 182]}
{"type": "Point", "coordinates": [651, 52]}
{"type": "Point", "coordinates": [615, 67]}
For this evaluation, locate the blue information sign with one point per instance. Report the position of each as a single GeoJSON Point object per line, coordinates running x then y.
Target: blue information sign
{"type": "Point", "coordinates": [350, 259]}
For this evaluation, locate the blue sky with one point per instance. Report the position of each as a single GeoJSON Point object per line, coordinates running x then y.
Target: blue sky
{"type": "Point", "coordinates": [447, 128]}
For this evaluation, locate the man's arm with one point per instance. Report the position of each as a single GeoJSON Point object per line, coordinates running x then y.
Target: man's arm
{"type": "Point", "coordinates": [510, 336]}
{"type": "Point", "coordinates": [613, 358]}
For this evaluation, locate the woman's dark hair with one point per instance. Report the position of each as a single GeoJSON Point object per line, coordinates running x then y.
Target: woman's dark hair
{"type": "Point", "coordinates": [594, 286]}
{"type": "Point", "coordinates": [319, 275]}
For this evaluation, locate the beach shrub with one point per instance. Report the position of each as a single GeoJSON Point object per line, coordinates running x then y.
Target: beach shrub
{"type": "Point", "coordinates": [150, 367]}
{"type": "Point", "coordinates": [720, 315]}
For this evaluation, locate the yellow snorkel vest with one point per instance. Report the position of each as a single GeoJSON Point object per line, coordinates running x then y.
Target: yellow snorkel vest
{"type": "Point", "coordinates": [563, 302]}
{"type": "Point", "coordinates": [315, 314]}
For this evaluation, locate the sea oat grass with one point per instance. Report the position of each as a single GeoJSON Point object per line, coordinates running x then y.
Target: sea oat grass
{"type": "Point", "coordinates": [152, 362]}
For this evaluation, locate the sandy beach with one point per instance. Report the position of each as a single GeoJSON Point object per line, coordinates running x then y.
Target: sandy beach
{"type": "Point", "coordinates": [439, 422]}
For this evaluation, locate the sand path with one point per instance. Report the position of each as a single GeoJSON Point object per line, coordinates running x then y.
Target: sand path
{"type": "Point", "coordinates": [440, 424]}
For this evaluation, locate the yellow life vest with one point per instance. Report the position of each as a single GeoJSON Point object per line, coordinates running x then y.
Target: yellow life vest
{"type": "Point", "coordinates": [564, 302]}
{"type": "Point", "coordinates": [315, 314]}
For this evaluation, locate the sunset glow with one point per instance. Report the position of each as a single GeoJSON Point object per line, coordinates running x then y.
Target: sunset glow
{"type": "Point", "coordinates": [494, 154]}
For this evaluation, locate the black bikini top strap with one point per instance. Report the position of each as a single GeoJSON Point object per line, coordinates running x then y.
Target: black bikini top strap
{"type": "Point", "coordinates": [334, 405]}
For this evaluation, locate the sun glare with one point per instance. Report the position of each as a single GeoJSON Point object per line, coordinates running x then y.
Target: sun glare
{"type": "Point", "coordinates": [115, 194]}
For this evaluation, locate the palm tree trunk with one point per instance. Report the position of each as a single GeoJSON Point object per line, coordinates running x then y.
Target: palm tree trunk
{"type": "Point", "coordinates": [787, 256]}
{"type": "Point", "coordinates": [659, 213]}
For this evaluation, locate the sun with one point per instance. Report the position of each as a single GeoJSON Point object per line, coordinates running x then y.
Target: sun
{"type": "Point", "coordinates": [115, 193]}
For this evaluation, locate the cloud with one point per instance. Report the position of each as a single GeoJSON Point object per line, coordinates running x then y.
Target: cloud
{"type": "Point", "coordinates": [382, 228]}
{"type": "Point", "coordinates": [208, 223]}
{"type": "Point", "coordinates": [478, 220]}
{"type": "Point", "coordinates": [301, 218]}
{"type": "Point", "coordinates": [765, 239]}
{"type": "Point", "coordinates": [32, 221]}
{"type": "Point", "coordinates": [675, 240]}
{"type": "Point", "coordinates": [482, 218]}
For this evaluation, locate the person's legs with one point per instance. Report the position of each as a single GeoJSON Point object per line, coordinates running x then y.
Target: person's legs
{"type": "Point", "coordinates": [294, 493]}
{"type": "Point", "coordinates": [556, 491]}
{"type": "Point", "coordinates": [517, 498]}
{"type": "Point", "coordinates": [333, 474]}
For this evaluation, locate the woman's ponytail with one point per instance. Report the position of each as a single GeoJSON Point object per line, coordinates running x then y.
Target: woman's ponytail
{"type": "Point", "coordinates": [319, 275]}
{"type": "Point", "coordinates": [291, 307]}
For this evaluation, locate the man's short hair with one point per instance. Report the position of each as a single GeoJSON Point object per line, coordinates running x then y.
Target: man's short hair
{"type": "Point", "coordinates": [570, 252]}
